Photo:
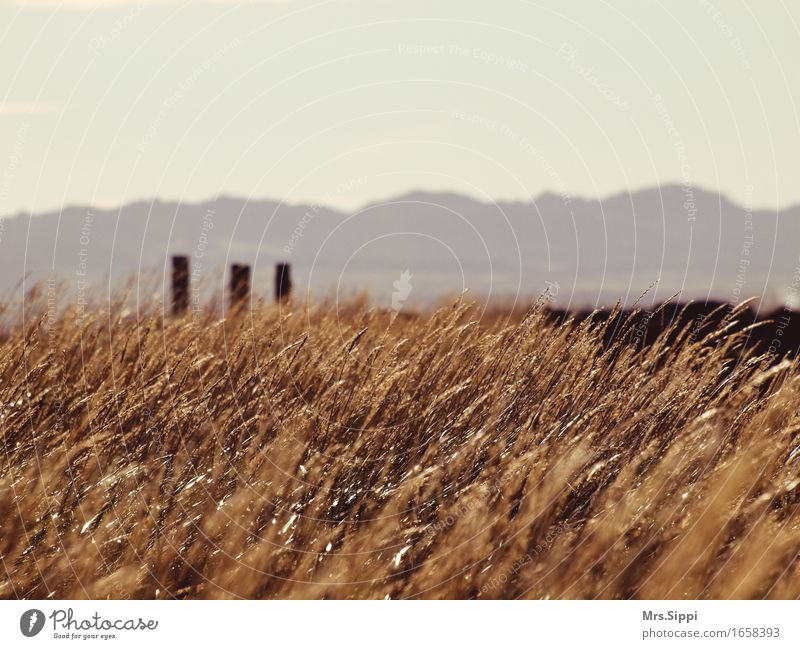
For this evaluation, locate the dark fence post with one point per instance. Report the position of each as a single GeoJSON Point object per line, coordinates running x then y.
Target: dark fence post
{"type": "Point", "coordinates": [180, 284]}
{"type": "Point", "coordinates": [240, 283]}
{"type": "Point", "coordinates": [283, 282]}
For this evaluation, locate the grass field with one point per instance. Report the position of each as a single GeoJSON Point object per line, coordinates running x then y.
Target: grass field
{"type": "Point", "coordinates": [341, 452]}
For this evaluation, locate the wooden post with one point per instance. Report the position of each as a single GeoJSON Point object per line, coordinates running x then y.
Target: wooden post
{"type": "Point", "coordinates": [283, 281]}
{"type": "Point", "coordinates": [240, 283]}
{"type": "Point", "coordinates": [180, 284]}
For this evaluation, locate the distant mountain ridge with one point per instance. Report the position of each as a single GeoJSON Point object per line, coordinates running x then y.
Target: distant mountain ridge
{"type": "Point", "coordinates": [588, 252]}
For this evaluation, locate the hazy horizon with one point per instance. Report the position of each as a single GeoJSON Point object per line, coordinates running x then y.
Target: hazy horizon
{"type": "Point", "coordinates": [346, 102]}
{"type": "Point", "coordinates": [398, 195]}
{"type": "Point", "coordinates": [593, 253]}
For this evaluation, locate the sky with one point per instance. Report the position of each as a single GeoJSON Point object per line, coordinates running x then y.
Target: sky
{"type": "Point", "coordinates": [343, 102]}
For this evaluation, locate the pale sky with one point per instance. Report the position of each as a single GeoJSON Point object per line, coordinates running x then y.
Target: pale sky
{"type": "Point", "coordinates": [348, 101]}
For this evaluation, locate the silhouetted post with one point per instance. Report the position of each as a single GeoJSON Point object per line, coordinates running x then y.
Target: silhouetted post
{"type": "Point", "coordinates": [240, 283]}
{"type": "Point", "coordinates": [283, 282]}
{"type": "Point", "coordinates": [180, 284]}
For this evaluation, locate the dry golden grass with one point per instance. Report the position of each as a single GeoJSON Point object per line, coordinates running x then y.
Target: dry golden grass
{"type": "Point", "coordinates": [341, 453]}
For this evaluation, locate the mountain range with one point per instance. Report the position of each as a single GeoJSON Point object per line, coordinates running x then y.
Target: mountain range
{"type": "Point", "coordinates": [584, 252]}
